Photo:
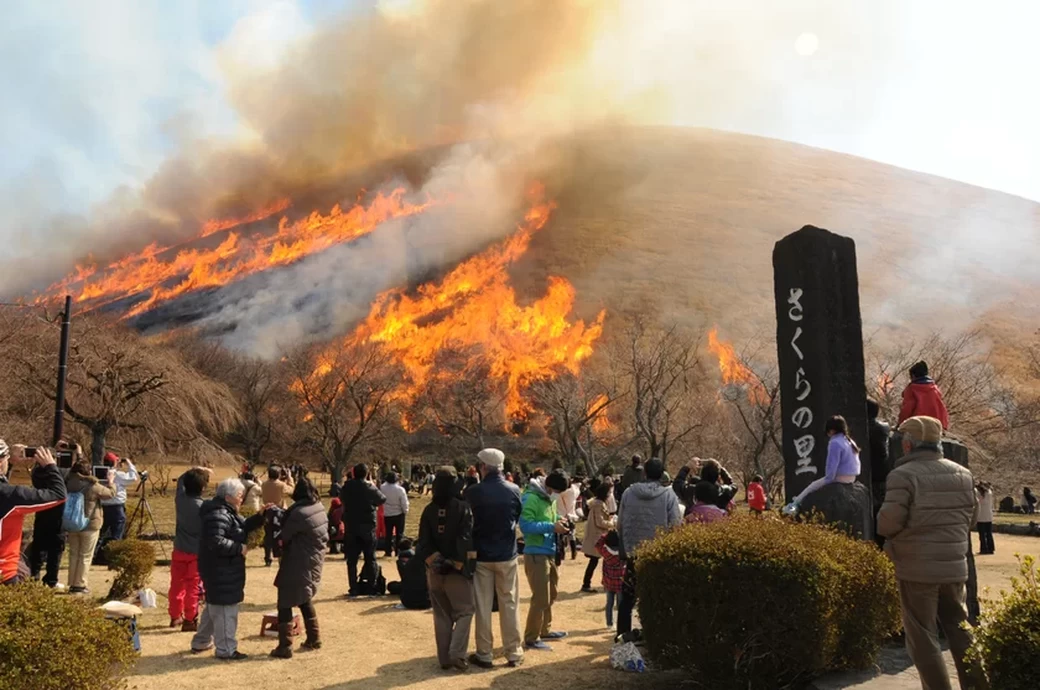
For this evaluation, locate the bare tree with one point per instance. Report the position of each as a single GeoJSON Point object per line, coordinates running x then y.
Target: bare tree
{"type": "Point", "coordinates": [120, 382]}
{"type": "Point", "coordinates": [461, 398]}
{"type": "Point", "coordinates": [662, 376]}
{"type": "Point", "coordinates": [346, 395]}
{"type": "Point", "coordinates": [576, 409]}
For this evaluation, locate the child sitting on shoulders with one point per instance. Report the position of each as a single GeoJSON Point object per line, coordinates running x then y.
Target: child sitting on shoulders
{"type": "Point", "coordinates": [613, 570]}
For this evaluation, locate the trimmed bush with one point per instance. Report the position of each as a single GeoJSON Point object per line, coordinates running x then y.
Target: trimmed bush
{"type": "Point", "coordinates": [133, 560]}
{"type": "Point", "coordinates": [54, 643]}
{"type": "Point", "coordinates": [754, 602]}
{"type": "Point", "coordinates": [1007, 640]}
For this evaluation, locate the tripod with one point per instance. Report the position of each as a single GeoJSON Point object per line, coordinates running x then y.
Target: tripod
{"type": "Point", "coordinates": [143, 510]}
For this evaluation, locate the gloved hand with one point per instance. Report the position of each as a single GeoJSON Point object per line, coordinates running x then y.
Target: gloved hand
{"type": "Point", "coordinates": [791, 509]}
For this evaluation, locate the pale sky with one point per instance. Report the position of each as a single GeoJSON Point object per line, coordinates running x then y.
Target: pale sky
{"type": "Point", "coordinates": [96, 94]}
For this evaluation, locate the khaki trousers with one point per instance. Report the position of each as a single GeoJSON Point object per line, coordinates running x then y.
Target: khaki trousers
{"type": "Point", "coordinates": [542, 578]}
{"type": "Point", "coordinates": [81, 553]}
{"type": "Point", "coordinates": [922, 604]}
{"type": "Point", "coordinates": [500, 578]}
{"type": "Point", "coordinates": [452, 599]}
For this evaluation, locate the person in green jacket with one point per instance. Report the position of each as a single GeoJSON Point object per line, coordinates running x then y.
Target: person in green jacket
{"type": "Point", "coordinates": [540, 525]}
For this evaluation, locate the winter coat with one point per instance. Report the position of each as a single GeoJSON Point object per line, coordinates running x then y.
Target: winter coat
{"type": "Point", "coordinates": [922, 398]}
{"type": "Point", "coordinates": [645, 507]}
{"type": "Point", "coordinates": [304, 536]}
{"type": "Point", "coordinates": [451, 536]}
{"type": "Point", "coordinates": [335, 517]}
{"type": "Point", "coordinates": [704, 513]}
{"type": "Point", "coordinates": [538, 520]}
{"type": "Point", "coordinates": [632, 475]}
{"type": "Point", "coordinates": [599, 523]}
{"type": "Point", "coordinates": [756, 497]}
{"type": "Point", "coordinates": [878, 434]}
{"type": "Point", "coordinates": [277, 492]}
{"type": "Point", "coordinates": [189, 521]}
{"type": "Point", "coordinates": [396, 499]}
{"type": "Point", "coordinates": [496, 507]}
{"type": "Point", "coordinates": [929, 510]}
{"type": "Point", "coordinates": [251, 500]}
{"type": "Point", "coordinates": [985, 506]}
{"type": "Point", "coordinates": [613, 566]}
{"type": "Point", "coordinates": [94, 492]}
{"type": "Point", "coordinates": [360, 502]}
{"type": "Point", "coordinates": [222, 564]}
{"type": "Point", "coordinates": [47, 491]}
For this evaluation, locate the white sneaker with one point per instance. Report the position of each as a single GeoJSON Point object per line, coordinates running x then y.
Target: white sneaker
{"type": "Point", "coordinates": [59, 587]}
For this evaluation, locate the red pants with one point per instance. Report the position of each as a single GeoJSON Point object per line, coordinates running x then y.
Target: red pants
{"type": "Point", "coordinates": [185, 586]}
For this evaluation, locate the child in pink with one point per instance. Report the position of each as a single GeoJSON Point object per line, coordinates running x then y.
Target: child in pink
{"type": "Point", "coordinates": [613, 570]}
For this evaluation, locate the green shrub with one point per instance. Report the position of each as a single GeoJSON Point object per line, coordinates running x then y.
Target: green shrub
{"type": "Point", "coordinates": [754, 602]}
{"type": "Point", "coordinates": [54, 643]}
{"type": "Point", "coordinates": [1007, 640]}
{"type": "Point", "coordinates": [133, 561]}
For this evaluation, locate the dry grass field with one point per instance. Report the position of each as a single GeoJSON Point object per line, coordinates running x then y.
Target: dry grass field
{"type": "Point", "coordinates": [370, 644]}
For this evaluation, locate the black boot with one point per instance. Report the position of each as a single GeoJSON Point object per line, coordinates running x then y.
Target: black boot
{"type": "Point", "coordinates": [313, 640]}
{"type": "Point", "coordinates": [284, 648]}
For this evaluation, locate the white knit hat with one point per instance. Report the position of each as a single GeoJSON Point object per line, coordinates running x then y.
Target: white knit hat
{"type": "Point", "coordinates": [492, 457]}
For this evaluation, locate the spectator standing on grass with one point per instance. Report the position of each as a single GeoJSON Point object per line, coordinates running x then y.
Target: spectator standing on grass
{"type": "Point", "coordinates": [634, 473]}
{"type": "Point", "coordinates": [1028, 500]}
{"type": "Point", "coordinates": [984, 495]}
{"type": "Point", "coordinates": [566, 507]}
{"type": "Point", "coordinates": [222, 566]}
{"type": "Point", "coordinates": [114, 508]}
{"type": "Point", "coordinates": [645, 508]}
{"type": "Point", "coordinates": [47, 491]}
{"type": "Point", "coordinates": [49, 537]}
{"type": "Point", "coordinates": [756, 495]}
{"type": "Point", "coordinates": [599, 522]}
{"type": "Point", "coordinates": [184, 566]}
{"type": "Point", "coordinates": [720, 482]}
{"type": "Point", "coordinates": [82, 544]}
{"type": "Point", "coordinates": [446, 546]}
{"type": "Point", "coordinates": [929, 509]}
{"type": "Point", "coordinates": [395, 511]}
{"type": "Point", "coordinates": [922, 398]}
{"type": "Point", "coordinates": [496, 507]}
{"type": "Point", "coordinates": [541, 526]}
{"type": "Point", "coordinates": [276, 490]}
{"type": "Point", "coordinates": [361, 501]}
{"type": "Point", "coordinates": [304, 536]}
{"type": "Point", "coordinates": [337, 528]}
{"type": "Point", "coordinates": [607, 546]}
{"type": "Point", "coordinates": [254, 492]}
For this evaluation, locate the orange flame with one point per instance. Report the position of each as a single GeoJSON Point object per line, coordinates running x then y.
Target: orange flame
{"type": "Point", "coordinates": [153, 268]}
{"type": "Point", "coordinates": [601, 424]}
{"type": "Point", "coordinates": [474, 305]}
{"type": "Point", "coordinates": [733, 370]}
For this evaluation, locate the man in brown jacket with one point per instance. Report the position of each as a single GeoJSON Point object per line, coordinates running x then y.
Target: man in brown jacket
{"type": "Point", "coordinates": [929, 509]}
{"type": "Point", "coordinates": [275, 491]}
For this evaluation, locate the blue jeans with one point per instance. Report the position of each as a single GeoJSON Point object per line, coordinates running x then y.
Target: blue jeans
{"type": "Point", "coordinates": [610, 609]}
{"type": "Point", "coordinates": [114, 521]}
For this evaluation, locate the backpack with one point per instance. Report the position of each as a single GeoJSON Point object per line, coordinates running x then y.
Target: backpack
{"type": "Point", "coordinates": [371, 582]}
{"type": "Point", "coordinates": [73, 515]}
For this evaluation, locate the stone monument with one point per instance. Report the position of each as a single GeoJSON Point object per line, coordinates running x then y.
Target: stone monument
{"type": "Point", "coordinates": [819, 336]}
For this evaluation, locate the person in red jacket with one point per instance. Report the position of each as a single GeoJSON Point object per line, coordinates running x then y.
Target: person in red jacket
{"type": "Point", "coordinates": [922, 398]}
{"type": "Point", "coordinates": [47, 491]}
{"type": "Point", "coordinates": [756, 495]}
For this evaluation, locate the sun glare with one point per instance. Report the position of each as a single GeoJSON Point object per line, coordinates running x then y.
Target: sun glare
{"type": "Point", "coordinates": [806, 44]}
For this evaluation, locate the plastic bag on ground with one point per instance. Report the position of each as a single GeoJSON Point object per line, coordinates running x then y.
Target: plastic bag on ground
{"type": "Point", "coordinates": [626, 657]}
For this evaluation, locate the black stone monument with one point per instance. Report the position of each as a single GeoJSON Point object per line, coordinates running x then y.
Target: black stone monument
{"type": "Point", "coordinates": [819, 335]}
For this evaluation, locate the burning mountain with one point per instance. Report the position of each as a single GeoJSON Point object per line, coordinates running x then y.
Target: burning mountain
{"type": "Point", "coordinates": [474, 308]}
{"type": "Point", "coordinates": [164, 273]}
{"type": "Point", "coordinates": [734, 372]}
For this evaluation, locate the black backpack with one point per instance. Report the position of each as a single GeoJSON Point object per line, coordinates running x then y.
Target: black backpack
{"type": "Point", "coordinates": [371, 581]}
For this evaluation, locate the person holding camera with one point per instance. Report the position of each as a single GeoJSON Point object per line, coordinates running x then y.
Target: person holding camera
{"type": "Point", "coordinates": [82, 543]}
{"type": "Point", "coordinates": [47, 491]}
{"type": "Point", "coordinates": [48, 539]}
{"type": "Point", "coordinates": [184, 566]}
{"type": "Point", "coordinates": [446, 546]}
{"type": "Point", "coordinates": [541, 527]}
{"type": "Point", "coordinates": [114, 508]}
{"type": "Point", "coordinates": [275, 491]}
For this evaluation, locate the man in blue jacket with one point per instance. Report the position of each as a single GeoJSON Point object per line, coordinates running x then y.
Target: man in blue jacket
{"type": "Point", "coordinates": [496, 509]}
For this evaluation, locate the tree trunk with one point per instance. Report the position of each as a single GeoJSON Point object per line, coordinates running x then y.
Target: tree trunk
{"type": "Point", "coordinates": [97, 443]}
